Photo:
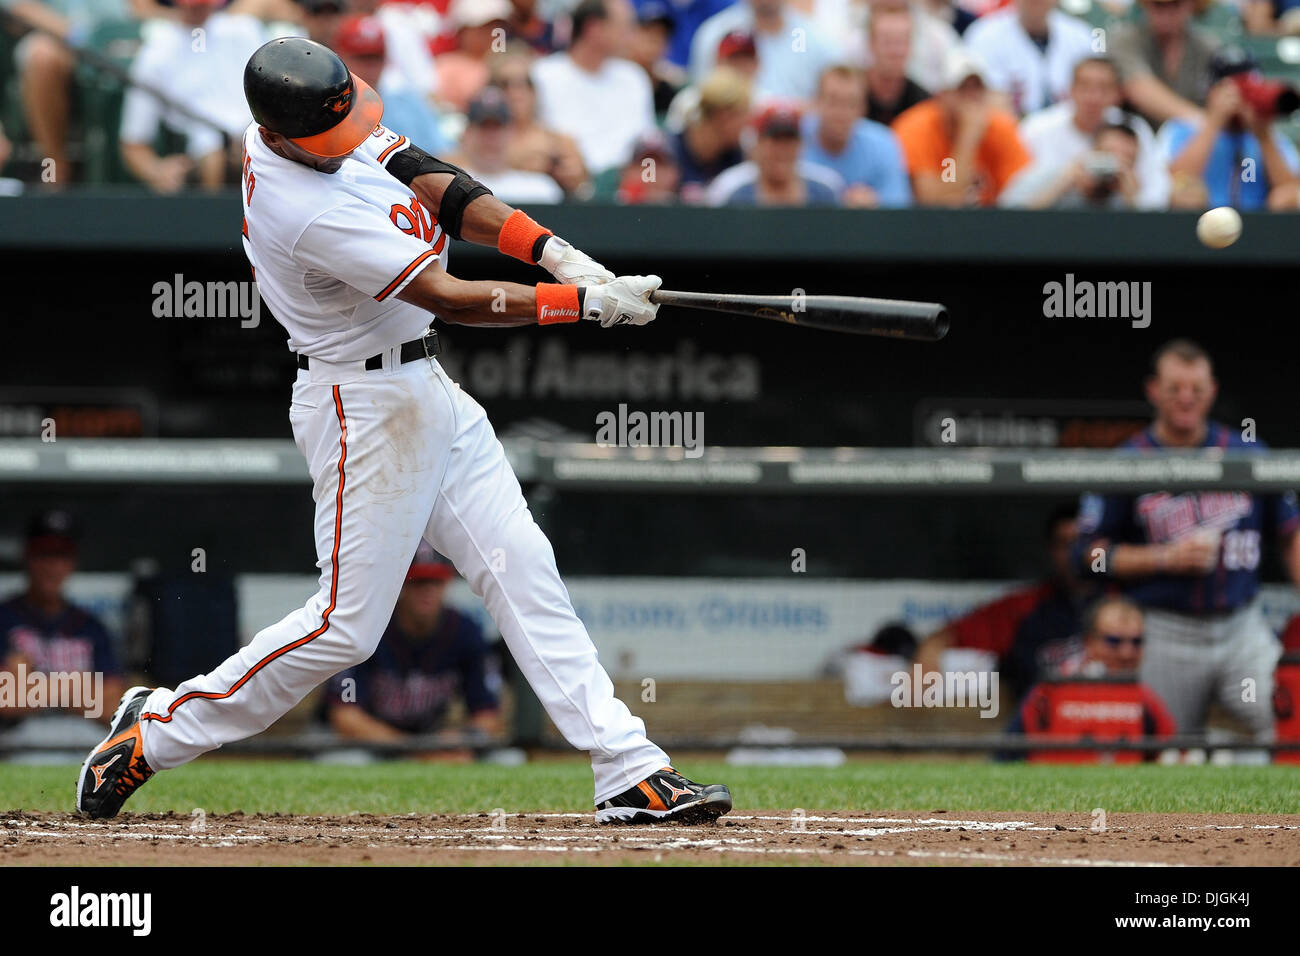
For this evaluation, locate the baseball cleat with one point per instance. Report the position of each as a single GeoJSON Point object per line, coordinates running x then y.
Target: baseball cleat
{"type": "Point", "coordinates": [116, 768]}
{"type": "Point", "coordinates": [666, 795]}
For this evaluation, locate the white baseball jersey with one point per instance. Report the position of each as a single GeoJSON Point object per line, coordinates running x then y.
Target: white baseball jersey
{"type": "Point", "coordinates": [331, 251]}
{"type": "Point", "coordinates": [1033, 78]}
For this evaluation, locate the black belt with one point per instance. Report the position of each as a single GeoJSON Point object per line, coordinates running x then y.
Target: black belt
{"type": "Point", "coordinates": [422, 348]}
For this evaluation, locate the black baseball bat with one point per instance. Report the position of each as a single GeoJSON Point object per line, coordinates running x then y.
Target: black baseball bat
{"type": "Point", "coordinates": [895, 318]}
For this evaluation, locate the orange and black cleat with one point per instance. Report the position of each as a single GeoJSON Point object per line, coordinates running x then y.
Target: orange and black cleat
{"type": "Point", "coordinates": [116, 768]}
{"type": "Point", "coordinates": [666, 795]}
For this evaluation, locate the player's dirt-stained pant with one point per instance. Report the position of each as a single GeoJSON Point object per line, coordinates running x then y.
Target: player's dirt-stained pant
{"type": "Point", "coordinates": [1191, 661]}
{"type": "Point", "coordinates": [396, 454]}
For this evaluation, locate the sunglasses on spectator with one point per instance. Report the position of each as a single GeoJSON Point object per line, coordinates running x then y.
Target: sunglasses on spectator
{"type": "Point", "coordinates": [1114, 640]}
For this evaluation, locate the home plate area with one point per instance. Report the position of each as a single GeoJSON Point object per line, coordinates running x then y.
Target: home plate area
{"type": "Point", "coordinates": [933, 837]}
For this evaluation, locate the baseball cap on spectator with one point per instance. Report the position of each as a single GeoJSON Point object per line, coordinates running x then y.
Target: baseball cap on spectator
{"type": "Point", "coordinates": [737, 43]}
{"type": "Point", "coordinates": [961, 66]}
{"type": "Point", "coordinates": [52, 532]}
{"type": "Point", "coordinates": [778, 121]}
{"type": "Point", "coordinates": [489, 106]}
{"type": "Point", "coordinates": [429, 565]}
{"type": "Point", "coordinates": [359, 36]}
{"type": "Point", "coordinates": [478, 13]}
{"type": "Point", "coordinates": [652, 144]}
{"type": "Point", "coordinates": [655, 11]}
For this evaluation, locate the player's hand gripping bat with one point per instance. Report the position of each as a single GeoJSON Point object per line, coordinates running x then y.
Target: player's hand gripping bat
{"type": "Point", "coordinates": [895, 318]}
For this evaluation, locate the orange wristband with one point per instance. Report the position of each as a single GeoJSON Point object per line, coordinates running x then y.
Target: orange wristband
{"type": "Point", "coordinates": [519, 235]}
{"type": "Point", "coordinates": [558, 303]}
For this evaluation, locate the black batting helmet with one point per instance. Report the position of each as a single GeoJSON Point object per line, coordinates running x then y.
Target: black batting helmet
{"type": "Point", "coordinates": [301, 89]}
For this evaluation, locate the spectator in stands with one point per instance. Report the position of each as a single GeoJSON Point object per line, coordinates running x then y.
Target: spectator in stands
{"type": "Point", "coordinates": [429, 656]}
{"type": "Point", "coordinates": [408, 33]}
{"type": "Point", "coordinates": [775, 176]}
{"type": "Point", "coordinates": [789, 61]}
{"type": "Point", "coordinates": [1265, 17]}
{"type": "Point", "coordinates": [1060, 134]}
{"type": "Point", "coordinates": [688, 15]}
{"type": "Point", "coordinates": [1164, 61]}
{"type": "Point", "coordinates": [652, 177]}
{"type": "Point", "coordinates": [865, 153]}
{"type": "Point", "coordinates": [530, 27]}
{"type": "Point", "coordinates": [1029, 52]}
{"type": "Point", "coordinates": [933, 40]}
{"type": "Point", "coordinates": [604, 102]}
{"type": "Point", "coordinates": [710, 143]}
{"type": "Point", "coordinates": [361, 43]}
{"type": "Point", "coordinates": [1052, 604]}
{"type": "Point", "coordinates": [463, 72]}
{"type": "Point", "coordinates": [737, 53]}
{"type": "Point", "coordinates": [1110, 647]}
{"type": "Point", "coordinates": [890, 90]}
{"type": "Point", "coordinates": [408, 64]}
{"type": "Point", "coordinates": [198, 77]}
{"type": "Point", "coordinates": [959, 16]}
{"type": "Point", "coordinates": [648, 47]}
{"type": "Point", "coordinates": [46, 68]}
{"type": "Point", "coordinates": [1103, 177]}
{"type": "Point", "coordinates": [485, 150]}
{"type": "Point", "coordinates": [1234, 152]}
{"type": "Point", "coordinates": [533, 146]}
{"type": "Point", "coordinates": [44, 632]}
{"type": "Point", "coordinates": [961, 149]}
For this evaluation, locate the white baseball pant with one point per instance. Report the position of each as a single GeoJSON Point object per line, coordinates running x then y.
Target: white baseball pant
{"type": "Point", "coordinates": [1192, 661]}
{"type": "Point", "coordinates": [395, 454]}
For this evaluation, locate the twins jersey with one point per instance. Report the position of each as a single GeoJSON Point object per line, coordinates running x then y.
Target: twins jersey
{"type": "Point", "coordinates": [410, 684]}
{"type": "Point", "coordinates": [331, 251]}
{"type": "Point", "coordinates": [73, 641]}
{"type": "Point", "coordinates": [1160, 517]}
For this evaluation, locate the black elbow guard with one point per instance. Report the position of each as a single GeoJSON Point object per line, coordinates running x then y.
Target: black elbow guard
{"type": "Point", "coordinates": [462, 190]}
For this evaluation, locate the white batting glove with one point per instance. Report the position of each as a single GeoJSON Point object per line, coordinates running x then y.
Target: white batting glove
{"type": "Point", "coordinates": [622, 301]}
{"type": "Point", "coordinates": [571, 266]}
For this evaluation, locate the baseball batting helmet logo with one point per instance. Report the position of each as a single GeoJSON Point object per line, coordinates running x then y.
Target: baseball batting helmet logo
{"type": "Point", "coordinates": [302, 90]}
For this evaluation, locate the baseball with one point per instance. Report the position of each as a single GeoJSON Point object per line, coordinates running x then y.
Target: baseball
{"type": "Point", "coordinates": [1219, 227]}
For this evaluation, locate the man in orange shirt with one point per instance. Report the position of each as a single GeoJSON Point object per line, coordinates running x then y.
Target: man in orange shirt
{"type": "Point", "coordinates": [961, 146]}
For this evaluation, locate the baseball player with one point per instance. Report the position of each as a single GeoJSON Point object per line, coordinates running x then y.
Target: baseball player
{"type": "Point", "coordinates": [1192, 560]}
{"type": "Point", "coordinates": [346, 227]}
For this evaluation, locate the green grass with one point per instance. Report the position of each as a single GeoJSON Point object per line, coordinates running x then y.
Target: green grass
{"type": "Point", "coordinates": [221, 786]}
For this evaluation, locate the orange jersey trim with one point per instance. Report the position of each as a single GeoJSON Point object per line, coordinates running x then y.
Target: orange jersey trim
{"type": "Point", "coordinates": [401, 142]}
{"type": "Point", "coordinates": [388, 289]}
{"type": "Point", "coordinates": [334, 588]}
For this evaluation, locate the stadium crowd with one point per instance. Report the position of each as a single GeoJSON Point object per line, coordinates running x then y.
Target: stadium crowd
{"type": "Point", "coordinates": [871, 103]}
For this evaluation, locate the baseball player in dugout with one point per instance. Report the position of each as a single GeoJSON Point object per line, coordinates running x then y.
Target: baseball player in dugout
{"type": "Point", "coordinates": [1192, 560]}
{"type": "Point", "coordinates": [346, 228]}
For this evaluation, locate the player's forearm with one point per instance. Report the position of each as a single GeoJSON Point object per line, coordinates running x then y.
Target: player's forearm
{"type": "Point", "coordinates": [353, 722]}
{"type": "Point", "coordinates": [1136, 560]}
{"type": "Point", "coordinates": [1158, 101]}
{"type": "Point", "coordinates": [470, 302]}
{"type": "Point", "coordinates": [483, 217]}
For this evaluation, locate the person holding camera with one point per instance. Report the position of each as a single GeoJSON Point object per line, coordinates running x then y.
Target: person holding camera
{"type": "Point", "coordinates": [1234, 156]}
{"type": "Point", "coordinates": [1103, 177]}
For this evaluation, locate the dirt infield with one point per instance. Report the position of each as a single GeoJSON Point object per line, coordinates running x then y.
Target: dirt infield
{"type": "Point", "coordinates": [935, 837]}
